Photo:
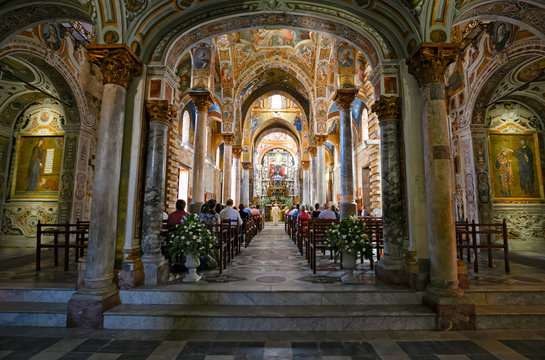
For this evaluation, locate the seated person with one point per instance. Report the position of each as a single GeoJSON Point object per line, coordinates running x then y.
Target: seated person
{"type": "Point", "coordinates": [327, 214]}
{"type": "Point", "coordinates": [176, 217]}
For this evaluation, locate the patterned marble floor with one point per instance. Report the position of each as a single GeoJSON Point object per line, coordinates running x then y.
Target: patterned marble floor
{"type": "Point", "coordinates": [76, 344]}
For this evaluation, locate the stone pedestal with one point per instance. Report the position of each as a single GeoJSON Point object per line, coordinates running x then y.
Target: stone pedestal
{"type": "Point", "coordinates": [227, 166]}
{"type": "Point", "coordinates": [118, 66]}
{"type": "Point", "coordinates": [202, 101]}
{"type": "Point", "coordinates": [428, 65]}
{"type": "Point", "coordinates": [155, 265]}
{"type": "Point", "coordinates": [391, 267]}
{"type": "Point", "coordinates": [343, 99]}
{"type": "Point", "coordinates": [320, 168]}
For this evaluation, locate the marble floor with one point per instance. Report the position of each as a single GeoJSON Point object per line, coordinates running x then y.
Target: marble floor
{"type": "Point", "coordinates": [59, 343]}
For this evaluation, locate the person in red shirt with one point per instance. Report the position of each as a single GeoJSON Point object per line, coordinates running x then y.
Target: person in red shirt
{"type": "Point", "coordinates": [303, 215]}
{"type": "Point", "coordinates": [176, 217]}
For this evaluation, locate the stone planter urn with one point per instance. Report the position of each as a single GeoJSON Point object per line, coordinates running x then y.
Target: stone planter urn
{"type": "Point", "coordinates": [349, 264]}
{"type": "Point", "coordinates": [192, 261]}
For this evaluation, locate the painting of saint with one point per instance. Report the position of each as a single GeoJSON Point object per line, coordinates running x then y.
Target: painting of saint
{"type": "Point", "coordinates": [183, 72]}
{"type": "Point", "coordinates": [346, 57]}
{"type": "Point", "coordinates": [277, 167]}
{"type": "Point", "coordinates": [322, 74]}
{"type": "Point", "coordinates": [525, 158]}
{"type": "Point", "coordinates": [38, 166]}
{"type": "Point", "coordinates": [254, 121]}
{"type": "Point", "coordinates": [201, 58]}
{"type": "Point", "coordinates": [226, 75]}
{"type": "Point", "coordinates": [298, 123]}
{"type": "Point", "coordinates": [51, 37]}
{"type": "Point", "coordinates": [533, 71]}
{"type": "Point", "coordinates": [501, 36]}
{"type": "Point", "coordinates": [505, 173]}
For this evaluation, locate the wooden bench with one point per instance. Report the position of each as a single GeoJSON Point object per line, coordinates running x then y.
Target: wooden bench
{"type": "Point", "coordinates": [318, 236]}
{"type": "Point", "coordinates": [65, 236]}
{"type": "Point", "coordinates": [472, 237]}
{"type": "Point", "coordinates": [375, 225]}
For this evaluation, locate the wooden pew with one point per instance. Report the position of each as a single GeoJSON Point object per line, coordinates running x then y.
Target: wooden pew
{"type": "Point", "coordinates": [318, 236]}
{"type": "Point", "coordinates": [65, 236]}
{"type": "Point", "coordinates": [376, 226]}
{"type": "Point", "coordinates": [481, 236]}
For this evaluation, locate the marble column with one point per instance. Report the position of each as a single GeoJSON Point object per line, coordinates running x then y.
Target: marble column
{"type": "Point", "coordinates": [313, 175]}
{"type": "Point", "coordinates": [391, 267]}
{"type": "Point", "coordinates": [428, 65]}
{"type": "Point", "coordinates": [343, 99]}
{"type": "Point", "coordinates": [305, 164]}
{"type": "Point", "coordinates": [118, 66]}
{"type": "Point", "coordinates": [160, 115]}
{"type": "Point", "coordinates": [227, 165]}
{"type": "Point", "coordinates": [237, 151]}
{"type": "Point", "coordinates": [245, 188]}
{"type": "Point", "coordinates": [320, 168]}
{"type": "Point", "coordinates": [202, 101]}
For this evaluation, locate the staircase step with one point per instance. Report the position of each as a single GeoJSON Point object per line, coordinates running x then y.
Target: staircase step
{"type": "Point", "coordinates": [510, 316]}
{"type": "Point", "coordinates": [506, 297]}
{"type": "Point", "coordinates": [270, 318]}
{"type": "Point", "coordinates": [48, 295]}
{"type": "Point", "coordinates": [33, 314]}
{"type": "Point", "coordinates": [377, 297]}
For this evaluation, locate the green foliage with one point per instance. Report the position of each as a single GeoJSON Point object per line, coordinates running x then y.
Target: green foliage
{"type": "Point", "coordinates": [349, 235]}
{"type": "Point", "coordinates": [191, 237]}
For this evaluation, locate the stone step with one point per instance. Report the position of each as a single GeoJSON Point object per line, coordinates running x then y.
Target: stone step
{"type": "Point", "coordinates": [270, 318]}
{"type": "Point", "coordinates": [506, 297]}
{"type": "Point", "coordinates": [48, 295]}
{"type": "Point", "coordinates": [510, 316]}
{"type": "Point", "coordinates": [294, 298]}
{"type": "Point", "coordinates": [33, 314]}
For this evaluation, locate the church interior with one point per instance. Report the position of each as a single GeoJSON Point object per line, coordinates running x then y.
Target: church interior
{"type": "Point", "coordinates": [423, 118]}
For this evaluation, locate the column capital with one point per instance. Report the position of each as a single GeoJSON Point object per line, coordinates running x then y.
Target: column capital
{"type": "Point", "coordinates": [386, 107]}
{"type": "Point", "coordinates": [344, 97]}
{"type": "Point", "coordinates": [228, 138]}
{"type": "Point", "coordinates": [201, 98]}
{"type": "Point", "coordinates": [320, 140]}
{"type": "Point", "coordinates": [237, 151]}
{"type": "Point", "coordinates": [160, 111]}
{"type": "Point", "coordinates": [312, 150]}
{"type": "Point", "coordinates": [118, 64]}
{"type": "Point", "coordinates": [305, 164]}
{"type": "Point", "coordinates": [430, 60]}
{"type": "Point", "coordinates": [246, 165]}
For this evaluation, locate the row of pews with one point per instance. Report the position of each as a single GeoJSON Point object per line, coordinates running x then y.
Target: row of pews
{"type": "Point", "coordinates": [309, 236]}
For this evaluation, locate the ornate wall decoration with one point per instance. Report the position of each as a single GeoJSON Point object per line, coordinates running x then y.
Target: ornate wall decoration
{"type": "Point", "coordinates": [23, 218]}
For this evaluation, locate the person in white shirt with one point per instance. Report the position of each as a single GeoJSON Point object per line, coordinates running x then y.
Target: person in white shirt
{"type": "Point", "coordinates": [230, 213]}
{"type": "Point", "coordinates": [327, 214]}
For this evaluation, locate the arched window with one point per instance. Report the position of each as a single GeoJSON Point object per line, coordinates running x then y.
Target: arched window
{"type": "Point", "coordinates": [186, 118]}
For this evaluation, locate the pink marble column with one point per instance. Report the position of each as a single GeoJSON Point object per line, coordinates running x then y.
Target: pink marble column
{"type": "Point", "coordinates": [118, 66]}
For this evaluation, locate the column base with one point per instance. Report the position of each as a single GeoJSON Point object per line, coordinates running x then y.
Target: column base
{"type": "Point", "coordinates": [86, 310]}
{"type": "Point", "coordinates": [131, 274]}
{"type": "Point", "coordinates": [390, 270]}
{"type": "Point", "coordinates": [80, 279]}
{"type": "Point", "coordinates": [417, 271]}
{"type": "Point", "coordinates": [156, 269]}
{"type": "Point", "coordinates": [195, 207]}
{"type": "Point", "coordinates": [453, 313]}
{"type": "Point", "coordinates": [348, 209]}
{"type": "Point", "coordinates": [463, 277]}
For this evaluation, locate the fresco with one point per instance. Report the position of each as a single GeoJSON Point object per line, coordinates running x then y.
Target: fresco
{"type": "Point", "coordinates": [16, 68]}
{"type": "Point", "coordinates": [278, 161]}
{"type": "Point", "coordinates": [257, 118]}
{"type": "Point", "coordinates": [532, 71]}
{"type": "Point", "coordinates": [515, 166]}
{"type": "Point", "coordinates": [201, 58]}
{"type": "Point", "coordinates": [52, 38]}
{"type": "Point", "coordinates": [272, 38]}
{"type": "Point", "coordinates": [183, 72]}
{"type": "Point", "coordinates": [38, 166]}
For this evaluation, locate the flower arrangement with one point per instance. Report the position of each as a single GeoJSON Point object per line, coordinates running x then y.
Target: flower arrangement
{"type": "Point", "coordinates": [351, 236]}
{"type": "Point", "coordinates": [191, 237]}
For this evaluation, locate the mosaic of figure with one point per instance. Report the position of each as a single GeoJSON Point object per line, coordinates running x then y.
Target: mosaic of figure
{"type": "Point", "coordinates": [525, 158]}
{"type": "Point", "coordinates": [501, 36]}
{"type": "Point", "coordinates": [201, 58]}
{"type": "Point", "coordinates": [505, 173]}
{"type": "Point", "coordinates": [51, 37]}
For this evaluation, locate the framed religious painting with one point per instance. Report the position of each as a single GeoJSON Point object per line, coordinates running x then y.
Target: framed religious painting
{"type": "Point", "coordinates": [38, 163]}
{"type": "Point", "coordinates": [515, 167]}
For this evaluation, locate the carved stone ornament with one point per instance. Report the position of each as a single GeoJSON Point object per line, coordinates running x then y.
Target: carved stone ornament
{"type": "Point", "coordinates": [247, 165]}
{"type": "Point", "coordinates": [158, 111]}
{"type": "Point", "coordinates": [386, 107]}
{"type": "Point", "coordinates": [305, 164]}
{"type": "Point", "coordinates": [237, 151]}
{"type": "Point", "coordinates": [430, 60]}
{"type": "Point", "coordinates": [320, 139]}
{"type": "Point", "coordinates": [117, 63]}
{"type": "Point", "coordinates": [228, 138]}
{"type": "Point", "coordinates": [344, 98]}
{"type": "Point", "coordinates": [313, 151]}
{"type": "Point", "coordinates": [201, 98]}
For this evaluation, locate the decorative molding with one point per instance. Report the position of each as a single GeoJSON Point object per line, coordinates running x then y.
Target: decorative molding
{"type": "Point", "coordinates": [228, 138]}
{"type": "Point", "coordinates": [237, 151]}
{"type": "Point", "coordinates": [118, 64]}
{"type": "Point", "coordinates": [159, 111]}
{"type": "Point", "coordinates": [320, 140]}
{"type": "Point", "coordinates": [201, 98]}
{"type": "Point", "coordinates": [344, 98]}
{"type": "Point", "coordinates": [386, 107]}
{"type": "Point", "coordinates": [305, 164]}
{"type": "Point", "coordinates": [429, 62]}
{"type": "Point", "coordinates": [313, 151]}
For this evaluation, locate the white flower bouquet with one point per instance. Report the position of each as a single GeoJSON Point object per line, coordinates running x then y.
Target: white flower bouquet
{"type": "Point", "coordinates": [191, 237]}
{"type": "Point", "coordinates": [351, 236]}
